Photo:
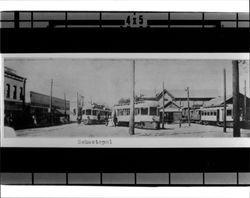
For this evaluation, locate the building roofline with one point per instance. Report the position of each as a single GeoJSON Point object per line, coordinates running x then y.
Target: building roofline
{"type": "Point", "coordinates": [48, 96]}
{"type": "Point", "coordinates": [6, 72]}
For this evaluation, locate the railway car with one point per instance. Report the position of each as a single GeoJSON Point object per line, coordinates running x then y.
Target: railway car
{"type": "Point", "coordinates": [195, 115]}
{"type": "Point", "coordinates": [215, 116]}
{"type": "Point", "coordinates": [146, 114]}
{"type": "Point", "coordinates": [95, 114]}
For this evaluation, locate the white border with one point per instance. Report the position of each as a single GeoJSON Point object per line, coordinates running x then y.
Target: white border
{"type": "Point", "coordinates": [129, 5]}
{"type": "Point", "coordinates": [127, 142]}
{"type": "Point", "coordinates": [124, 192]}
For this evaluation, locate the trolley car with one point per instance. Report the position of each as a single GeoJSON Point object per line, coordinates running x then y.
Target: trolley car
{"type": "Point", "coordinates": [215, 116]}
{"type": "Point", "coordinates": [146, 114]}
{"type": "Point", "coordinates": [95, 114]}
{"type": "Point", "coordinates": [195, 115]}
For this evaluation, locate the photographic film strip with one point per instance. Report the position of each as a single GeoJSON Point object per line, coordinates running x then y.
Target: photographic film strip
{"type": "Point", "coordinates": [27, 159]}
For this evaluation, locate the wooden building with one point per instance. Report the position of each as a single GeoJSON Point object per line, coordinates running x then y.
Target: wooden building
{"type": "Point", "coordinates": [40, 109]}
{"type": "Point", "coordinates": [172, 112]}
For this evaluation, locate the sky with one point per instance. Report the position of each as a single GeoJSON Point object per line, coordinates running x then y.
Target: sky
{"type": "Point", "coordinates": [106, 81]}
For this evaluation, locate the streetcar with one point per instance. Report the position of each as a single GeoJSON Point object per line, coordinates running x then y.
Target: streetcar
{"type": "Point", "coordinates": [195, 115]}
{"type": "Point", "coordinates": [146, 114]}
{"type": "Point", "coordinates": [215, 116]}
{"type": "Point", "coordinates": [95, 114]}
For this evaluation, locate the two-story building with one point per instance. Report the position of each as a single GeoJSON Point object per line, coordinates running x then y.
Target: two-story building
{"type": "Point", "coordinates": [14, 96]}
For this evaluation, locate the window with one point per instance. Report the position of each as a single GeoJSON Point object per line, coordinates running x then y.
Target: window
{"type": "Point", "coordinates": [152, 111]}
{"type": "Point", "coordinates": [14, 92]}
{"type": "Point", "coordinates": [137, 111]}
{"type": "Point", "coordinates": [126, 111]}
{"type": "Point", "coordinates": [94, 112]}
{"type": "Point", "coordinates": [144, 111]}
{"type": "Point", "coordinates": [21, 96]}
{"type": "Point", "coordinates": [229, 112]}
{"type": "Point", "coordinates": [7, 90]}
{"type": "Point", "coordinates": [88, 112]}
{"type": "Point", "coordinates": [83, 112]}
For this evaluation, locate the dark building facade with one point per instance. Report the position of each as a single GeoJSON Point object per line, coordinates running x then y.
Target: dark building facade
{"type": "Point", "coordinates": [14, 97]}
{"type": "Point", "coordinates": [47, 110]}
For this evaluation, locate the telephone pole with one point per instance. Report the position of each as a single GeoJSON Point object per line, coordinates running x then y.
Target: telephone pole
{"type": "Point", "coordinates": [77, 104]}
{"type": "Point", "coordinates": [51, 101]}
{"type": "Point", "coordinates": [236, 109]}
{"type": "Point", "coordinates": [225, 105]}
{"type": "Point", "coordinates": [23, 94]}
{"type": "Point", "coordinates": [65, 110]}
{"type": "Point", "coordinates": [187, 89]}
{"type": "Point", "coordinates": [132, 102]}
{"type": "Point", "coordinates": [163, 105]}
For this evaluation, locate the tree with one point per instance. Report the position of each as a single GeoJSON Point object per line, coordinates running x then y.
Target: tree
{"type": "Point", "coordinates": [124, 101]}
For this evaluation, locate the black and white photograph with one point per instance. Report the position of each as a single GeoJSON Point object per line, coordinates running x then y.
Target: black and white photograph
{"type": "Point", "coordinates": [116, 98]}
{"type": "Point", "coordinates": [169, 98]}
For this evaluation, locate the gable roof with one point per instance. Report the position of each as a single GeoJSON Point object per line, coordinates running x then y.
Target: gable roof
{"type": "Point", "coordinates": [167, 104]}
{"type": "Point", "coordinates": [195, 95]}
{"type": "Point", "coordinates": [219, 101]}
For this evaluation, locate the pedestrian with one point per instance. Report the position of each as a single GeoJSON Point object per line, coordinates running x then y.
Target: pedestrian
{"type": "Point", "coordinates": [114, 118]}
{"type": "Point", "coordinates": [180, 123]}
{"type": "Point", "coordinates": [79, 119]}
{"type": "Point", "coordinates": [106, 120]}
{"type": "Point", "coordinates": [34, 120]}
{"type": "Point", "coordinates": [11, 120]}
{"type": "Point", "coordinates": [6, 120]}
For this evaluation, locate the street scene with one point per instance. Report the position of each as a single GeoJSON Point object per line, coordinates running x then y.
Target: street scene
{"type": "Point", "coordinates": [75, 130]}
{"type": "Point", "coordinates": [64, 97]}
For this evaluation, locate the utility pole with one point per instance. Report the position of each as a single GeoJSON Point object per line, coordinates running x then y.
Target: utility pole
{"type": "Point", "coordinates": [245, 100]}
{"type": "Point", "coordinates": [225, 105]}
{"type": "Point", "coordinates": [236, 109]}
{"type": "Point", "coordinates": [163, 105]}
{"type": "Point", "coordinates": [51, 101]}
{"type": "Point", "coordinates": [24, 94]}
{"type": "Point", "coordinates": [65, 110]}
{"type": "Point", "coordinates": [77, 104]}
{"type": "Point", "coordinates": [187, 89]}
{"type": "Point", "coordinates": [132, 102]}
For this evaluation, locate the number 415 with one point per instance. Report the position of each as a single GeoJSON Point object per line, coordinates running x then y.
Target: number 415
{"type": "Point", "coordinates": [134, 21]}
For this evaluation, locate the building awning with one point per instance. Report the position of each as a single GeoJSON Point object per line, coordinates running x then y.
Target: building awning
{"type": "Point", "coordinates": [62, 112]}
